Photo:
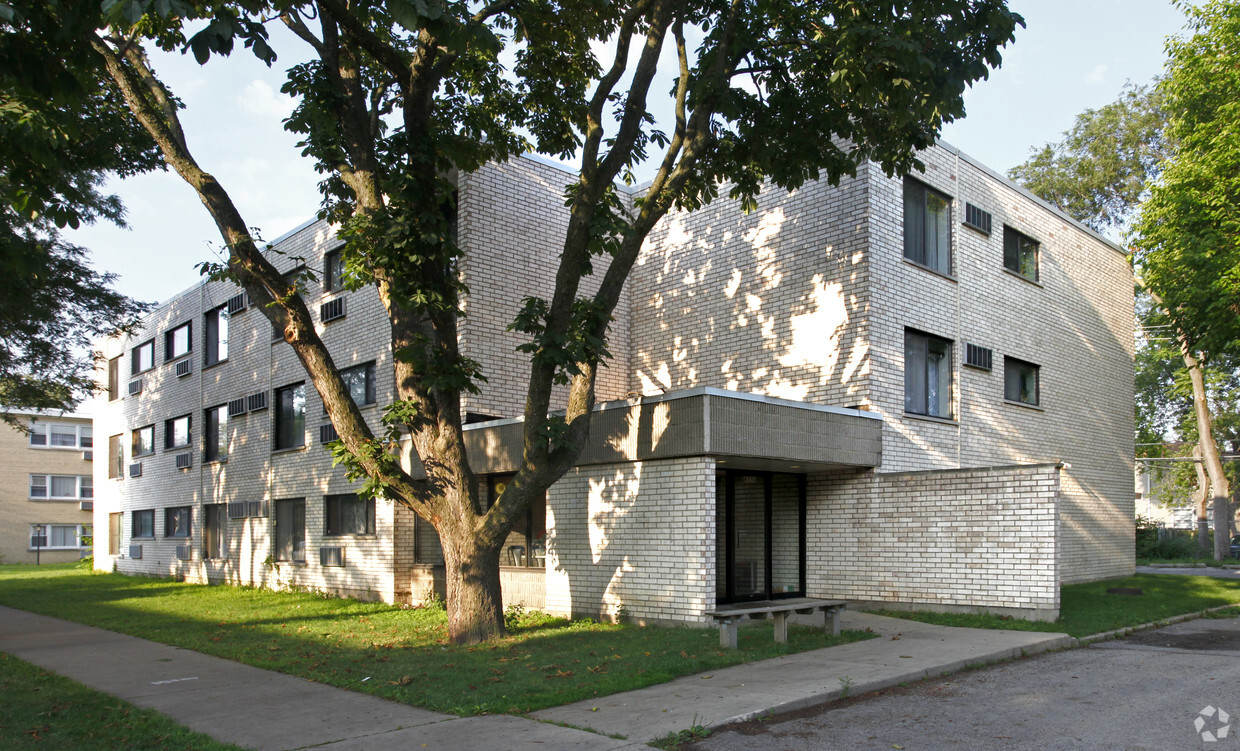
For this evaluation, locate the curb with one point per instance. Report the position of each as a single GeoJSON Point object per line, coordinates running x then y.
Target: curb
{"type": "Point", "coordinates": [1121, 632]}
{"type": "Point", "coordinates": [1050, 644]}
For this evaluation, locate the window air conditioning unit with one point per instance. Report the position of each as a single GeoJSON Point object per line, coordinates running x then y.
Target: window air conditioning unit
{"type": "Point", "coordinates": [183, 368]}
{"type": "Point", "coordinates": [135, 387]}
{"type": "Point", "coordinates": [183, 552]}
{"type": "Point", "coordinates": [135, 469]}
{"type": "Point", "coordinates": [327, 433]}
{"type": "Point", "coordinates": [238, 303]}
{"type": "Point", "coordinates": [331, 310]}
{"type": "Point", "coordinates": [257, 508]}
{"type": "Point", "coordinates": [87, 505]}
{"type": "Point", "coordinates": [978, 357]}
{"type": "Point", "coordinates": [236, 509]}
{"type": "Point", "coordinates": [185, 461]}
{"type": "Point", "coordinates": [976, 218]}
{"type": "Point", "coordinates": [88, 456]}
{"type": "Point", "coordinates": [257, 401]}
{"type": "Point", "coordinates": [236, 407]}
{"type": "Point", "coordinates": [135, 552]}
{"type": "Point", "coordinates": [331, 556]}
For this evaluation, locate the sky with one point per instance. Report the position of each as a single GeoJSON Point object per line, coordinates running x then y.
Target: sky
{"type": "Point", "coordinates": [1071, 56]}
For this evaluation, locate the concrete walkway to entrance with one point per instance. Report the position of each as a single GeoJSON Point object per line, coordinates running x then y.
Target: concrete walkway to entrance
{"type": "Point", "coordinates": [265, 710]}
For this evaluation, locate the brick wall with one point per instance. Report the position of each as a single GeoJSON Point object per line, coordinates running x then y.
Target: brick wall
{"type": "Point", "coordinates": [18, 510]}
{"type": "Point", "coordinates": [633, 539]}
{"type": "Point", "coordinates": [951, 539]}
{"type": "Point", "coordinates": [772, 302]}
{"type": "Point", "coordinates": [1075, 322]}
{"type": "Point", "coordinates": [512, 225]}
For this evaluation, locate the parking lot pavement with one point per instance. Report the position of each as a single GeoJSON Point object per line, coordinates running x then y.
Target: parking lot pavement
{"type": "Point", "coordinates": [1158, 689]}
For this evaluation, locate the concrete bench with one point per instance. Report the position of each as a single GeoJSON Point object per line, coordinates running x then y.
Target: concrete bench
{"type": "Point", "coordinates": [729, 616]}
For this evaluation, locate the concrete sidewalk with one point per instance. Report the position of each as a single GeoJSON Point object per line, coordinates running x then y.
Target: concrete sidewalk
{"type": "Point", "coordinates": [904, 652]}
{"type": "Point", "coordinates": [272, 711]}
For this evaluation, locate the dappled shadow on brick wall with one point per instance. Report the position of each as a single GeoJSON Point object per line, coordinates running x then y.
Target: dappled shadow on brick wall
{"type": "Point", "coordinates": [770, 302]}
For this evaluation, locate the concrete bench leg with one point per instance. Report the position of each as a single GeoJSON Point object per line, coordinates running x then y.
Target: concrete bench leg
{"type": "Point", "coordinates": [831, 621]}
{"type": "Point", "coordinates": [727, 634]}
{"type": "Point", "coordinates": [781, 627]}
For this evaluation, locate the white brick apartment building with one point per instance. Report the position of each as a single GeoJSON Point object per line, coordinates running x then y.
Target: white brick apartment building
{"type": "Point", "coordinates": [911, 391]}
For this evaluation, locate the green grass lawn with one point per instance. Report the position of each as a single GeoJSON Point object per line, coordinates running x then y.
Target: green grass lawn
{"type": "Point", "coordinates": [41, 710]}
{"type": "Point", "coordinates": [1087, 609]}
{"type": "Point", "coordinates": [400, 654]}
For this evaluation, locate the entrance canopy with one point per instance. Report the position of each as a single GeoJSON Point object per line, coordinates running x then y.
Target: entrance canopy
{"type": "Point", "coordinates": [742, 431]}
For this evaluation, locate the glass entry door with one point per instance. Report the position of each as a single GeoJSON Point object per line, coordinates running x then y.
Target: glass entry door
{"type": "Point", "coordinates": [760, 536]}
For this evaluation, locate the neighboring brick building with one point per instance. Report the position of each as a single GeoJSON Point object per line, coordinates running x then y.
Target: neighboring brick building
{"type": "Point", "coordinates": [913, 391]}
{"type": "Point", "coordinates": [46, 488]}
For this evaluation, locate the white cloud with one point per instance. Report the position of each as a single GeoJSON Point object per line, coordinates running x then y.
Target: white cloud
{"type": "Point", "coordinates": [259, 98]}
{"type": "Point", "coordinates": [1097, 75]}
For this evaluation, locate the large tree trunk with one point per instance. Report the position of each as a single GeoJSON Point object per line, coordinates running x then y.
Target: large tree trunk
{"type": "Point", "coordinates": [475, 605]}
{"type": "Point", "coordinates": [1220, 488]}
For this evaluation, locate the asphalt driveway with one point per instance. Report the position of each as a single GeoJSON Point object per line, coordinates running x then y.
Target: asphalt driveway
{"type": "Point", "coordinates": [1158, 689]}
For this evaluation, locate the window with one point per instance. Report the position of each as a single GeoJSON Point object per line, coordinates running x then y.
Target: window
{"type": "Point", "coordinates": [291, 530]}
{"type": "Point", "coordinates": [349, 515]}
{"type": "Point", "coordinates": [143, 441]}
{"type": "Point", "coordinates": [360, 381]}
{"type": "Point", "coordinates": [1020, 254]}
{"type": "Point", "coordinates": [143, 523]}
{"type": "Point", "coordinates": [60, 435]}
{"type": "Point", "coordinates": [116, 457]}
{"type": "Point", "coordinates": [114, 533]}
{"type": "Point", "coordinates": [333, 271]}
{"type": "Point", "coordinates": [62, 536]}
{"type": "Point", "coordinates": [215, 433]}
{"type": "Point", "coordinates": [291, 416]}
{"type": "Point", "coordinates": [143, 357]}
{"type": "Point", "coordinates": [176, 432]}
{"type": "Point", "coordinates": [114, 379]}
{"type": "Point", "coordinates": [213, 531]}
{"type": "Point", "coordinates": [526, 545]}
{"type": "Point", "coordinates": [1020, 381]}
{"type": "Point", "coordinates": [927, 226]}
{"type": "Point", "coordinates": [61, 487]}
{"type": "Point", "coordinates": [177, 342]}
{"type": "Point", "coordinates": [177, 521]}
{"type": "Point", "coordinates": [216, 327]}
{"type": "Point", "coordinates": [927, 374]}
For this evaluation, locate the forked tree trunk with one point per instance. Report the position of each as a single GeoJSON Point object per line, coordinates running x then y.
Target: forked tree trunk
{"type": "Point", "coordinates": [475, 605]}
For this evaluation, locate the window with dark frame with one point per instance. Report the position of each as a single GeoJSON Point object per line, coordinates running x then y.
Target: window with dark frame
{"type": "Point", "coordinates": [215, 328]}
{"type": "Point", "coordinates": [526, 546]}
{"type": "Point", "coordinates": [1020, 254]}
{"type": "Point", "coordinates": [927, 374]}
{"type": "Point", "coordinates": [143, 523]}
{"type": "Point", "coordinates": [143, 357]}
{"type": "Point", "coordinates": [347, 514]}
{"type": "Point", "coordinates": [360, 381]}
{"type": "Point", "coordinates": [213, 531]}
{"type": "Point", "coordinates": [290, 416]}
{"type": "Point", "coordinates": [333, 270]}
{"type": "Point", "coordinates": [178, 521]}
{"type": "Point", "coordinates": [143, 441]}
{"type": "Point", "coordinates": [178, 341]}
{"type": "Point", "coordinates": [1021, 382]}
{"type": "Point", "coordinates": [927, 226]}
{"type": "Point", "coordinates": [215, 434]}
{"type": "Point", "coordinates": [177, 432]}
{"type": "Point", "coordinates": [290, 542]}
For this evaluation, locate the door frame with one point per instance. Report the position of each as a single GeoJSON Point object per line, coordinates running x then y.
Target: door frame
{"type": "Point", "coordinates": [729, 551]}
